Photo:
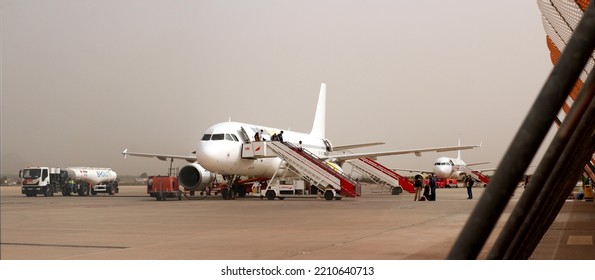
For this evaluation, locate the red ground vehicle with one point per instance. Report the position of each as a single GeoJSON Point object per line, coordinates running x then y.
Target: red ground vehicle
{"type": "Point", "coordinates": [444, 183]}
{"type": "Point", "coordinates": [162, 187]}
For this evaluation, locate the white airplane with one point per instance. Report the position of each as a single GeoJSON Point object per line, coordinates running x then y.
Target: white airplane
{"type": "Point", "coordinates": [446, 168]}
{"type": "Point", "coordinates": [220, 150]}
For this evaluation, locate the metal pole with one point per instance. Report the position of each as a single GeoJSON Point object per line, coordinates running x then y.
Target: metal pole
{"type": "Point", "coordinates": [527, 140]}
{"type": "Point", "coordinates": [563, 179]}
{"type": "Point", "coordinates": [538, 194]}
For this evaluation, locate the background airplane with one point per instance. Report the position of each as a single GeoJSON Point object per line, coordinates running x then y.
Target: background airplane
{"type": "Point", "coordinates": [220, 151]}
{"type": "Point", "coordinates": [448, 170]}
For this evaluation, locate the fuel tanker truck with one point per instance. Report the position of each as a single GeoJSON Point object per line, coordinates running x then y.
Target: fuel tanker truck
{"type": "Point", "coordinates": [68, 181]}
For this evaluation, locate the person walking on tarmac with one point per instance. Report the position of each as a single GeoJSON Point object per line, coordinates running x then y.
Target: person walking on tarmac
{"type": "Point", "coordinates": [418, 186]}
{"type": "Point", "coordinates": [469, 185]}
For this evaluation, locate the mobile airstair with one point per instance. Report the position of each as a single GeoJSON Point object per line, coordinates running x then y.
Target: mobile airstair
{"type": "Point", "coordinates": [475, 174]}
{"type": "Point", "coordinates": [331, 181]}
{"type": "Point", "coordinates": [382, 175]}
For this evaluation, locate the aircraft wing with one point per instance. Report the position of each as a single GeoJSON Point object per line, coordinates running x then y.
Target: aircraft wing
{"type": "Point", "coordinates": [486, 170]}
{"type": "Point", "coordinates": [417, 152]}
{"type": "Point", "coordinates": [477, 163]}
{"type": "Point", "coordinates": [347, 147]}
{"type": "Point", "coordinates": [159, 156]}
{"type": "Point", "coordinates": [414, 170]}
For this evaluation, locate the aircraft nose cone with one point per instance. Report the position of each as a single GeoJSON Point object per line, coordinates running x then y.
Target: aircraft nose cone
{"type": "Point", "coordinates": [206, 153]}
{"type": "Point", "coordinates": [442, 171]}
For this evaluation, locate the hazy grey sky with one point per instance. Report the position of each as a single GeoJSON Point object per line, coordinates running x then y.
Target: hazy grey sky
{"type": "Point", "coordinates": [83, 80]}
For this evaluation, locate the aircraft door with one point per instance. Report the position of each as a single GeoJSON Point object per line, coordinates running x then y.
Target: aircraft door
{"type": "Point", "coordinates": [244, 136]}
{"type": "Point", "coordinates": [329, 147]}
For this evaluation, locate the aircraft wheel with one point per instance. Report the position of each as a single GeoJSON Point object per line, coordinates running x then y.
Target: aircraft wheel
{"type": "Point", "coordinates": [225, 194]}
{"type": "Point", "coordinates": [270, 195]}
{"type": "Point", "coordinates": [242, 192]}
{"type": "Point", "coordinates": [328, 195]}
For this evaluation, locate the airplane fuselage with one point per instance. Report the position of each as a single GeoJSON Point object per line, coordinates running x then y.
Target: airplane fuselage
{"type": "Point", "coordinates": [445, 167]}
{"type": "Point", "coordinates": [220, 149]}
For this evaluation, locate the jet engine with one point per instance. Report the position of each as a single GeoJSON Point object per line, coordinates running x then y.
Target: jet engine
{"type": "Point", "coordinates": [194, 177]}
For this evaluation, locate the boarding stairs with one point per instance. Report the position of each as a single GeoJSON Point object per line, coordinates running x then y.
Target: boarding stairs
{"type": "Point", "coordinates": [381, 175]}
{"type": "Point", "coordinates": [313, 169]}
{"type": "Point", "coordinates": [474, 174]}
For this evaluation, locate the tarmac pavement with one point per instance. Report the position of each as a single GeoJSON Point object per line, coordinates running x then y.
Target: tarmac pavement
{"type": "Point", "coordinates": [377, 226]}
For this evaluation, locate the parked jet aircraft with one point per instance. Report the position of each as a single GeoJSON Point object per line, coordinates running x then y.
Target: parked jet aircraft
{"type": "Point", "coordinates": [220, 150]}
{"type": "Point", "coordinates": [453, 168]}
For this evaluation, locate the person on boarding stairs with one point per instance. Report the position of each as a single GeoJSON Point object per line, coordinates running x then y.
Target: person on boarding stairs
{"type": "Point", "coordinates": [257, 137]}
{"type": "Point", "coordinates": [299, 147]}
{"type": "Point", "coordinates": [280, 136]}
{"type": "Point", "coordinates": [262, 135]}
{"type": "Point", "coordinates": [418, 186]}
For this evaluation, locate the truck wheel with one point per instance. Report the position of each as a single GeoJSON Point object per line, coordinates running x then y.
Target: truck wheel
{"type": "Point", "coordinates": [110, 190]}
{"type": "Point", "coordinates": [30, 194]}
{"type": "Point", "coordinates": [179, 194]}
{"type": "Point", "coordinates": [270, 195]}
{"type": "Point", "coordinates": [328, 195]}
{"type": "Point", "coordinates": [158, 198]}
{"type": "Point", "coordinates": [164, 198]}
{"type": "Point", "coordinates": [93, 192]}
{"type": "Point", "coordinates": [81, 191]}
{"type": "Point", "coordinates": [48, 191]}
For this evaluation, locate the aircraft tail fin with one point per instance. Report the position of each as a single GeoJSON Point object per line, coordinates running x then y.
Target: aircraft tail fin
{"type": "Point", "coordinates": [319, 125]}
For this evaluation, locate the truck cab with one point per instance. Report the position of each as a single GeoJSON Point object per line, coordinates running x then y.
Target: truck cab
{"type": "Point", "coordinates": [42, 180]}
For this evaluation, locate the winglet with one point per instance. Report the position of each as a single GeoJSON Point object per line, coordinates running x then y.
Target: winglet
{"type": "Point", "coordinates": [125, 153]}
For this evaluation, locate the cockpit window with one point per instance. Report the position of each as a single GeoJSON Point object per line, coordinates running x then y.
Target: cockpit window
{"type": "Point", "coordinates": [219, 136]}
